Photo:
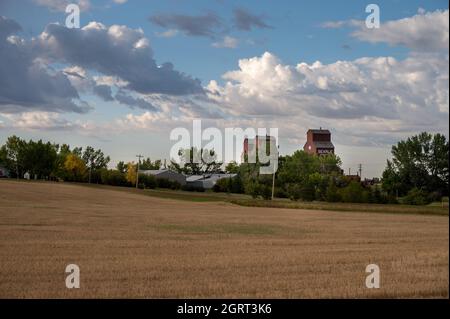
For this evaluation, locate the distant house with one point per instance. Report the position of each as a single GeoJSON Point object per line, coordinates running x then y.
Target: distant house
{"type": "Point", "coordinates": [167, 174]}
{"type": "Point", "coordinates": [206, 181]}
{"type": "Point", "coordinates": [3, 172]}
{"type": "Point", "coordinates": [355, 178]}
{"type": "Point", "coordinates": [318, 142]}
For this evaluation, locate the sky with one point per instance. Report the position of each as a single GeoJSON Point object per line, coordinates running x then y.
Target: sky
{"type": "Point", "coordinates": [135, 70]}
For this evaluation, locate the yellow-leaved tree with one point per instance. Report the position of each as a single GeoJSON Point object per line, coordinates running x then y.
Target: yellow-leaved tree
{"type": "Point", "coordinates": [131, 173]}
{"type": "Point", "coordinates": [75, 167]}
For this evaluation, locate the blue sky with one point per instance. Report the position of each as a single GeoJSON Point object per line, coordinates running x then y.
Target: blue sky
{"type": "Point", "coordinates": [293, 33]}
{"type": "Point", "coordinates": [296, 33]}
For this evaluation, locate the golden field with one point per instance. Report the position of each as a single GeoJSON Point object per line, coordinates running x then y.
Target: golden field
{"type": "Point", "coordinates": [132, 246]}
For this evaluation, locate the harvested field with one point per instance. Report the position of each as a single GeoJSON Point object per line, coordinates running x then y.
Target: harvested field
{"type": "Point", "coordinates": [133, 246]}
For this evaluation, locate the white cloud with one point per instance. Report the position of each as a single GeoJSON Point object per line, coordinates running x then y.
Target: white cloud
{"type": "Point", "coordinates": [60, 5]}
{"type": "Point", "coordinates": [167, 34]}
{"type": "Point", "coordinates": [39, 121]}
{"type": "Point", "coordinates": [422, 32]}
{"type": "Point", "coordinates": [341, 24]}
{"type": "Point", "coordinates": [375, 97]}
{"type": "Point", "coordinates": [227, 42]}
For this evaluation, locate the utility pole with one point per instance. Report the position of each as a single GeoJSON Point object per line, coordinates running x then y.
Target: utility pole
{"type": "Point", "coordinates": [137, 170]}
{"type": "Point", "coordinates": [273, 176]}
{"type": "Point", "coordinates": [90, 169]}
{"type": "Point", "coordinates": [273, 183]}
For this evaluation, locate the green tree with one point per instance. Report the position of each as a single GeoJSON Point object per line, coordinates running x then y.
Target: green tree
{"type": "Point", "coordinates": [252, 188]}
{"type": "Point", "coordinates": [232, 168]}
{"type": "Point", "coordinates": [352, 193]}
{"type": "Point", "coordinates": [39, 158]}
{"type": "Point", "coordinates": [121, 167]}
{"type": "Point", "coordinates": [332, 194]}
{"type": "Point", "coordinates": [95, 160]}
{"type": "Point", "coordinates": [13, 155]}
{"type": "Point", "coordinates": [62, 152]}
{"type": "Point", "coordinates": [420, 161]}
{"type": "Point", "coordinates": [147, 164]}
{"type": "Point", "coordinates": [195, 161]}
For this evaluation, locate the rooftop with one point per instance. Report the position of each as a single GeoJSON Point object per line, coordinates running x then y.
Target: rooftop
{"type": "Point", "coordinates": [324, 145]}
{"type": "Point", "coordinates": [319, 131]}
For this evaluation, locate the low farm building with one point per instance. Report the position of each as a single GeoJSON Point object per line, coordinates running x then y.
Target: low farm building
{"type": "Point", "coordinates": [3, 172]}
{"type": "Point", "coordinates": [206, 181]}
{"type": "Point", "coordinates": [166, 174]}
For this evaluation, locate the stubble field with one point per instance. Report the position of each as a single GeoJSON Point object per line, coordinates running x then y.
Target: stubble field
{"type": "Point", "coordinates": [133, 246]}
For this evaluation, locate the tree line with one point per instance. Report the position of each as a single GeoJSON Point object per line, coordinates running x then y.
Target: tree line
{"type": "Point", "coordinates": [417, 173]}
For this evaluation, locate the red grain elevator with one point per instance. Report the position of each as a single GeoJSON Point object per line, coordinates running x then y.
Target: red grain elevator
{"type": "Point", "coordinates": [318, 141]}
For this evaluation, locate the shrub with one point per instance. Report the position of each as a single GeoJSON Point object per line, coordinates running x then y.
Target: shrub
{"type": "Point", "coordinates": [190, 188]}
{"type": "Point", "coordinates": [308, 192]}
{"type": "Point", "coordinates": [294, 191]}
{"type": "Point", "coordinates": [353, 193]}
{"type": "Point", "coordinates": [434, 197]}
{"type": "Point", "coordinates": [332, 193]}
{"type": "Point", "coordinates": [253, 189]}
{"type": "Point", "coordinates": [166, 183]}
{"type": "Point", "coordinates": [147, 181]}
{"type": "Point", "coordinates": [266, 192]}
{"type": "Point", "coordinates": [391, 199]}
{"type": "Point", "coordinates": [222, 185]}
{"type": "Point", "coordinates": [380, 197]}
{"type": "Point", "coordinates": [280, 193]}
{"type": "Point", "coordinates": [237, 186]}
{"type": "Point", "coordinates": [416, 196]}
{"type": "Point", "coordinates": [112, 177]}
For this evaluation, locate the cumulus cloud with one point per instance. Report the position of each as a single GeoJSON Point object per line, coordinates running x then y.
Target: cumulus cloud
{"type": "Point", "coordinates": [27, 83]}
{"type": "Point", "coordinates": [48, 73]}
{"type": "Point", "coordinates": [405, 95]}
{"type": "Point", "coordinates": [245, 20]}
{"type": "Point", "coordinates": [207, 25]}
{"type": "Point", "coordinates": [116, 51]}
